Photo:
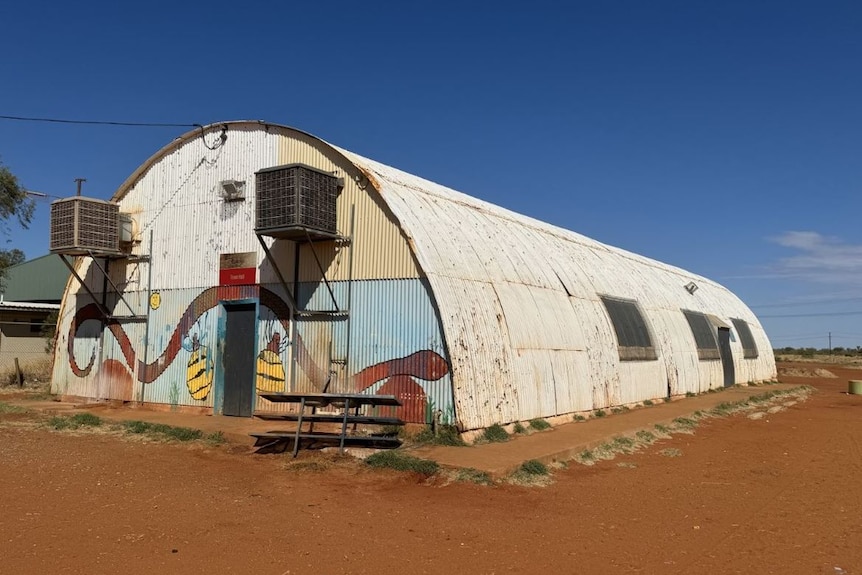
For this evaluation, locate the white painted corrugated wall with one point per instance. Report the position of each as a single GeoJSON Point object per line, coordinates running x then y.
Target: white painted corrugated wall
{"type": "Point", "coordinates": [527, 333]}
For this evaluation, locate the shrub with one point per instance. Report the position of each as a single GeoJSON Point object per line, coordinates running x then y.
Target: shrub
{"type": "Point", "coordinates": [446, 435]}
{"type": "Point", "coordinates": [400, 462]}
{"type": "Point", "coordinates": [539, 424]}
{"type": "Point", "coordinates": [534, 467]}
{"type": "Point", "coordinates": [495, 434]}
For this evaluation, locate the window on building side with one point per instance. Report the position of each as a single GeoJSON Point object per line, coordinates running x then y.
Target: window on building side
{"type": "Point", "coordinates": [749, 348]}
{"type": "Point", "coordinates": [704, 335]}
{"type": "Point", "coordinates": [633, 335]}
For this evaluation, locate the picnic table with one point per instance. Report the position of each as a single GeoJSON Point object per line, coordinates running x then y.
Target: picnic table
{"type": "Point", "coordinates": [349, 404]}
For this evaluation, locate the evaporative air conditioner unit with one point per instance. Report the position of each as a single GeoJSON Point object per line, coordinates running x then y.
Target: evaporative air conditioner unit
{"type": "Point", "coordinates": [84, 225]}
{"type": "Point", "coordinates": [294, 201]}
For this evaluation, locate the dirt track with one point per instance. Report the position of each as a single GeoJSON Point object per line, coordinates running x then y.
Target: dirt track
{"type": "Point", "coordinates": [775, 495]}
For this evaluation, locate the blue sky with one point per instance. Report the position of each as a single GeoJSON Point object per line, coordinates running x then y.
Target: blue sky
{"type": "Point", "coordinates": [722, 137]}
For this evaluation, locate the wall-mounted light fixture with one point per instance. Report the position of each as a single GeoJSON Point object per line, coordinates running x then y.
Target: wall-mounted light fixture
{"type": "Point", "coordinates": [232, 190]}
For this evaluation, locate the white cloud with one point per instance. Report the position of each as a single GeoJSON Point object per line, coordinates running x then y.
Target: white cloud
{"type": "Point", "coordinates": [818, 258]}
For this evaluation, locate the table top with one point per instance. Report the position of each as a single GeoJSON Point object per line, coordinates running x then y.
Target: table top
{"type": "Point", "coordinates": [322, 399]}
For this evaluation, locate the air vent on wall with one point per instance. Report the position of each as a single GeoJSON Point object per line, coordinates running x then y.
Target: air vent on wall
{"type": "Point", "coordinates": [80, 225]}
{"type": "Point", "coordinates": [294, 200]}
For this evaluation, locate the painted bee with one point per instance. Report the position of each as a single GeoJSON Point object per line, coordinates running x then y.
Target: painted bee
{"type": "Point", "coordinates": [199, 373]}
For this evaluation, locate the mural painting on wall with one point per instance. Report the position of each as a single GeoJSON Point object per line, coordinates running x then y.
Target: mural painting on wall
{"type": "Point", "coordinates": [398, 376]}
{"type": "Point", "coordinates": [270, 368]}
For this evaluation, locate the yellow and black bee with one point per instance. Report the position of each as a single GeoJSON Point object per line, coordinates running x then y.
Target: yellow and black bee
{"type": "Point", "coordinates": [270, 369]}
{"type": "Point", "coordinates": [199, 374]}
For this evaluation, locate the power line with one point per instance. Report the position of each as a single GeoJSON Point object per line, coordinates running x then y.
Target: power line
{"type": "Point", "coordinates": [838, 313]}
{"type": "Point", "coordinates": [100, 122]}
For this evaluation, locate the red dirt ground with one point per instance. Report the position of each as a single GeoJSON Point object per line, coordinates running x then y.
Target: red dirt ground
{"type": "Point", "coordinates": [775, 495]}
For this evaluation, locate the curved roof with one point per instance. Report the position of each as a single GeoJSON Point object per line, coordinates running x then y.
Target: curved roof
{"type": "Point", "coordinates": [519, 301]}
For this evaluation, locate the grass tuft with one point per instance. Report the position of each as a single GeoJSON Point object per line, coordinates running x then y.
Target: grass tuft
{"type": "Point", "coordinates": [648, 402]}
{"type": "Point", "coordinates": [579, 417]}
{"type": "Point", "coordinates": [689, 394]}
{"type": "Point", "coordinates": [599, 413]}
{"type": "Point", "coordinates": [519, 429]}
{"type": "Point", "coordinates": [9, 408]}
{"type": "Point", "coordinates": [685, 423]}
{"type": "Point", "coordinates": [398, 461]}
{"type": "Point", "coordinates": [539, 424]}
{"type": "Point", "coordinates": [162, 431]}
{"type": "Point", "coordinates": [86, 420]}
{"type": "Point", "coordinates": [446, 435]}
{"type": "Point", "coordinates": [495, 434]}
{"type": "Point", "coordinates": [534, 467]}
{"type": "Point", "coordinates": [645, 436]}
{"type": "Point", "coordinates": [471, 475]}
{"type": "Point", "coordinates": [671, 452]}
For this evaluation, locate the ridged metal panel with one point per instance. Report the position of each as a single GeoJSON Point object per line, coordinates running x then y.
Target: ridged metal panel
{"type": "Point", "coordinates": [380, 251]}
{"type": "Point", "coordinates": [539, 257]}
{"type": "Point", "coordinates": [177, 199]}
{"type": "Point", "coordinates": [378, 335]}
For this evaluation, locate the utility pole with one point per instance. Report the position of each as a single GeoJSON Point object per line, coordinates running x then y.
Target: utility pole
{"type": "Point", "coordinates": [830, 343]}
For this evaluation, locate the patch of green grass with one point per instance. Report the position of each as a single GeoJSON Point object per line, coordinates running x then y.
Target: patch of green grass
{"type": "Point", "coordinates": [671, 452]}
{"type": "Point", "coordinates": [215, 438]}
{"type": "Point", "coordinates": [533, 467]}
{"type": "Point", "coordinates": [648, 402]}
{"type": "Point", "coordinates": [685, 422]}
{"type": "Point", "coordinates": [616, 410]}
{"type": "Point", "coordinates": [60, 422]}
{"type": "Point", "coordinates": [392, 459]}
{"type": "Point", "coordinates": [586, 455]}
{"type": "Point", "coordinates": [579, 417]}
{"type": "Point", "coordinates": [9, 408]}
{"type": "Point", "coordinates": [473, 476]}
{"type": "Point", "coordinates": [495, 434]}
{"type": "Point", "coordinates": [519, 429]}
{"type": "Point", "coordinates": [689, 394]}
{"type": "Point", "coordinates": [599, 413]}
{"type": "Point", "coordinates": [645, 436]}
{"type": "Point", "coordinates": [662, 428]}
{"type": "Point", "coordinates": [86, 420]}
{"type": "Point", "coordinates": [446, 435]}
{"type": "Point", "coordinates": [724, 408]}
{"type": "Point", "coordinates": [622, 443]}
{"type": "Point", "coordinates": [162, 431]}
{"type": "Point", "coordinates": [712, 390]}
{"type": "Point", "coordinates": [539, 424]}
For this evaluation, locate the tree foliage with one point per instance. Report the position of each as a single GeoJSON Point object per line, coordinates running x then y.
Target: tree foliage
{"type": "Point", "coordinates": [14, 204]}
{"type": "Point", "coordinates": [14, 201]}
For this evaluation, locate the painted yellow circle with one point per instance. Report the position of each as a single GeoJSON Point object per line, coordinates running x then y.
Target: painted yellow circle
{"type": "Point", "coordinates": [155, 300]}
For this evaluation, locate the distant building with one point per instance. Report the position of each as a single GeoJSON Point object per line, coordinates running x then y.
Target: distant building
{"type": "Point", "coordinates": [254, 257]}
{"type": "Point", "coordinates": [31, 293]}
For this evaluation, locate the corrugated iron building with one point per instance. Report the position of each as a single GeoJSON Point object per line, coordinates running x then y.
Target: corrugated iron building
{"type": "Point", "coordinates": [461, 308]}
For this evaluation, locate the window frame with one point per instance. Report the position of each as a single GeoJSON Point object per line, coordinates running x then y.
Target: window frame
{"type": "Point", "coordinates": [627, 332]}
{"type": "Point", "coordinates": [746, 338]}
{"type": "Point", "coordinates": [710, 353]}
